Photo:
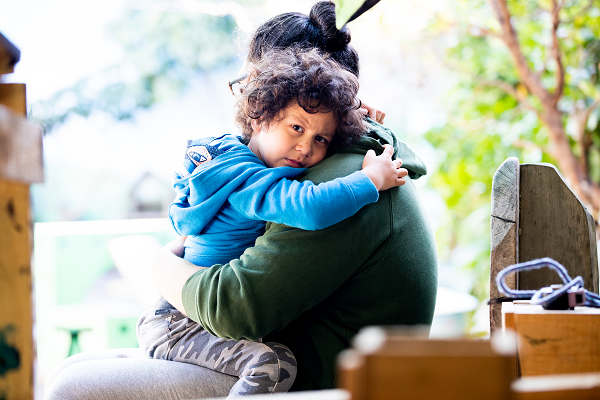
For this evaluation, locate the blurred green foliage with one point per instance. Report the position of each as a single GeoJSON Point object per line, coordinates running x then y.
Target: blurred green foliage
{"type": "Point", "coordinates": [162, 50]}
{"type": "Point", "coordinates": [486, 124]}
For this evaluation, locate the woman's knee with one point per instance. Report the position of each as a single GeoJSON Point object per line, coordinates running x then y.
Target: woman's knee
{"type": "Point", "coordinates": [67, 385]}
{"type": "Point", "coordinates": [66, 378]}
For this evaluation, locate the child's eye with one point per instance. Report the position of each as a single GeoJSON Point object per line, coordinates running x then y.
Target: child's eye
{"type": "Point", "coordinates": [297, 128]}
{"type": "Point", "coordinates": [321, 139]}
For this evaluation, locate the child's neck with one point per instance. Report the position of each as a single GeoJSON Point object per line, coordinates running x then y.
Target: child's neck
{"type": "Point", "coordinates": [253, 146]}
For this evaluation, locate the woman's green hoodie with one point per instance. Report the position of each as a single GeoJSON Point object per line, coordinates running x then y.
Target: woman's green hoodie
{"type": "Point", "coordinates": [313, 290]}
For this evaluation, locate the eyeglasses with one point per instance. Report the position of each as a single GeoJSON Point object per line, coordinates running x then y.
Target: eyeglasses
{"type": "Point", "coordinates": [235, 86]}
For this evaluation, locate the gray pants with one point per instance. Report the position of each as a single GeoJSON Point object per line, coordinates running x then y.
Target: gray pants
{"type": "Point", "coordinates": [164, 333]}
{"type": "Point", "coordinates": [127, 374]}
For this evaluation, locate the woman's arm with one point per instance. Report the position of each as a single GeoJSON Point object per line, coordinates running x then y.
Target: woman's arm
{"type": "Point", "coordinates": [170, 272]}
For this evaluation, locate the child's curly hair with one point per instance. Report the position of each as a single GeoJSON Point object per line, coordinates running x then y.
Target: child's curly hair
{"type": "Point", "coordinates": [314, 81]}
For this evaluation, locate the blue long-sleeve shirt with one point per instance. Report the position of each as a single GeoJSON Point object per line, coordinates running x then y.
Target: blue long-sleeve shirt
{"type": "Point", "coordinates": [225, 195]}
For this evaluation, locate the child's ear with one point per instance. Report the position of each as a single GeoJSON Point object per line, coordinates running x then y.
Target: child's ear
{"type": "Point", "coordinates": [256, 125]}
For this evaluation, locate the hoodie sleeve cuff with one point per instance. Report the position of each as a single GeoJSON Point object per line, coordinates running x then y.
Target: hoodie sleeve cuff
{"type": "Point", "coordinates": [364, 190]}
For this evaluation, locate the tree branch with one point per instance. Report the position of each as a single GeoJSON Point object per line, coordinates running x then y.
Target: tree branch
{"type": "Point", "coordinates": [585, 139]}
{"type": "Point", "coordinates": [530, 80]}
{"type": "Point", "coordinates": [559, 74]}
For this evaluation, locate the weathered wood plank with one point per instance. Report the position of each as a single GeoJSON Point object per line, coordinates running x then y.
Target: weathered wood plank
{"type": "Point", "coordinates": [16, 318]}
{"type": "Point", "coordinates": [20, 148]}
{"type": "Point", "coordinates": [504, 228]}
{"type": "Point", "coordinates": [554, 223]}
{"type": "Point", "coordinates": [558, 342]}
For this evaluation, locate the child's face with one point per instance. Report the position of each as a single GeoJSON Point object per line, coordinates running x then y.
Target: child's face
{"type": "Point", "coordinates": [299, 140]}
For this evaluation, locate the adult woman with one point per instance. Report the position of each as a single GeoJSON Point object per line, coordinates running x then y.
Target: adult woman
{"type": "Point", "coordinates": [311, 291]}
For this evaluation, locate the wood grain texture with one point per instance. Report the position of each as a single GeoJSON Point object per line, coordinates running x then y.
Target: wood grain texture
{"type": "Point", "coordinates": [433, 378]}
{"type": "Point", "coordinates": [558, 342]}
{"type": "Point", "coordinates": [504, 229]}
{"type": "Point", "coordinates": [20, 148]}
{"type": "Point", "coordinates": [16, 318]}
{"type": "Point", "coordinates": [433, 369]}
{"type": "Point", "coordinates": [554, 223]}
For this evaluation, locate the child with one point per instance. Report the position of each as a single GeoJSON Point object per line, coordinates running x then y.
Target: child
{"type": "Point", "coordinates": [296, 106]}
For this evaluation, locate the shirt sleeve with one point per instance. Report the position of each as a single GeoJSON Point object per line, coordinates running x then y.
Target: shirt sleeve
{"type": "Point", "coordinates": [286, 273]}
{"type": "Point", "coordinates": [304, 205]}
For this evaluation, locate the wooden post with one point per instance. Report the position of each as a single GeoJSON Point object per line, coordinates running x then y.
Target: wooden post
{"type": "Point", "coordinates": [505, 221]}
{"type": "Point", "coordinates": [536, 215]}
{"type": "Point", "coordinates": [20, 165]}
{"type": "Point", "coordinates": [554, 223]}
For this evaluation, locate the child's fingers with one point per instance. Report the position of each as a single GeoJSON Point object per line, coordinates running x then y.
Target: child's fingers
{"type": "Point", "coordinates": [402, 172]}
{"type": "Point", "coordinates": [388, 150]}
{"type": "Point", "coordinates": [370, 157]}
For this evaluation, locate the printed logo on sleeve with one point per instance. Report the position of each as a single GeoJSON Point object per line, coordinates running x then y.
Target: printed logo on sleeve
{"type": "Point", "coordinates": [198, 155]}
{"type": "Point", "coordinates": [198, 152]}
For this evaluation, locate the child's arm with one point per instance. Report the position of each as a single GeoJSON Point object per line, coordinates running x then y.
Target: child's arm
{"type": "Point", "coordinates": [308, 206]}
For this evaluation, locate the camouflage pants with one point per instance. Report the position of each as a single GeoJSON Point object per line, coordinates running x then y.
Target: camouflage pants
{"type": "Point", "coordinates": [165, 333]}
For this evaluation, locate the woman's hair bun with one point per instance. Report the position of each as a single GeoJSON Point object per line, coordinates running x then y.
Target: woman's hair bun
{"type": "Point", "coordinates": [322, 17]}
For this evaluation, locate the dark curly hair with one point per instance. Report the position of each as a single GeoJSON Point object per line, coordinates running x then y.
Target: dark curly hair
{"type": "Point", "coordinates": [316, 30]}
{"type": "Point", "coordinates": [309, 78]}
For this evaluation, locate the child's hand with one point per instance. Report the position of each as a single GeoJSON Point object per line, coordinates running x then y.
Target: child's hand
{"type": "Point", "coordinates": [384, 172]}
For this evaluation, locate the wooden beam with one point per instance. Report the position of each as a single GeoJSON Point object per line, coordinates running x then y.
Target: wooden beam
{"type": "Point", "coordinates": [13, 96]}
{"type": "Point", "coordinates": [20, 164]}
{"type": "Point", "coordinates": [557, 342]}
{"type": "Point", "coordinates": [16, 318]}
{"type": "Point", "coordinates": [558, 387]}
{"type": "Point", "coordinates": [504, 228]}
{"type": "Point", "coordinates": [394, 367]}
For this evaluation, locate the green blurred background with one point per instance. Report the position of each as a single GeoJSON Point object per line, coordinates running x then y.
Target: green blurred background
{"type": "Point", "coordinates": [119, 86]}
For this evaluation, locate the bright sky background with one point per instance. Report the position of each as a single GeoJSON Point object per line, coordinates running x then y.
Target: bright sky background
{"type": "Point", "coordinates": [63, 41]}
